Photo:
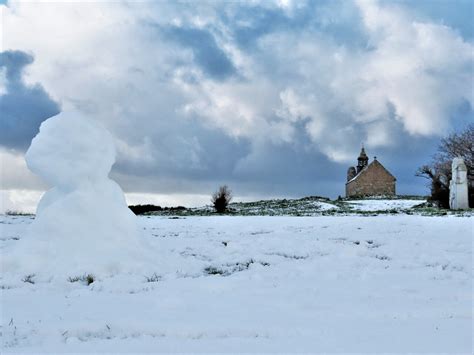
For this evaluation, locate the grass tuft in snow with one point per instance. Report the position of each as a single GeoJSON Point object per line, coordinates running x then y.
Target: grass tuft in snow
{"type": "Point", "coordinates": [212, 270]}
{"type": "Point", "coordinates": [29, 279]}
{"type": "Point", "coordinates": [230, 268]}
{"type": "Point", "coordinates": [153, 278]}
{"type": "Point", "coordinates": [86, 279]}
{"type": "Point", "coordinates": [287, 256]}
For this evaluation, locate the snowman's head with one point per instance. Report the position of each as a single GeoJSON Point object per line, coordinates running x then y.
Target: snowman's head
{"type": "Point", "coordinates": [71, 149]}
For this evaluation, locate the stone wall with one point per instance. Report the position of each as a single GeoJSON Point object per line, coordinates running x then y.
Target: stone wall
{"type": "Point", "coordinates": [373, 180]}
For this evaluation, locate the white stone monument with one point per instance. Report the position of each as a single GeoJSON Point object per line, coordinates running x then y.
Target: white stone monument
{"type": "Point", "coordinates": [458, 186]}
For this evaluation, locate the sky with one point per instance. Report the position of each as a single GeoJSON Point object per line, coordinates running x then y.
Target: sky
{"type": "Point", "coordinates": [272, 98]}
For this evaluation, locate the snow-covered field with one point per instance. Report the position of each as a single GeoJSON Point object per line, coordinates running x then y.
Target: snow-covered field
{"type": "Point", "coordinates": [261, 284]}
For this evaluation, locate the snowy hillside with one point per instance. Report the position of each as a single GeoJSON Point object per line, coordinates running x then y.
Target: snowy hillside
{"type": "Point", "coordinates": [262, 284]}
{"type": "Point", "coordinates": [318, 206]}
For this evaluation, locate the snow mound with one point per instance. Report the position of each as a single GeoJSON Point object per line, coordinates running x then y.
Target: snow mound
{"type": "Point", "coordinates": [324, 206]}
{"type": "Point", "coordinates": [83, 224]}
{"type": "Point", "coordinates": [381, 205]}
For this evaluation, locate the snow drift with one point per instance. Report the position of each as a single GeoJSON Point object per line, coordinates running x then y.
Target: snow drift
{"type": "Point", "coordinates": [83, 224]}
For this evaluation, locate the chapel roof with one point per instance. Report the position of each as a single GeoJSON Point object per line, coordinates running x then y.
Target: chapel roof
{"type": "Point", "coordinates": [372, 165]}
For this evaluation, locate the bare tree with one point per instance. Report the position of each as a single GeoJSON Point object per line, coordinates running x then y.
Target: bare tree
{"type": "Point", "coordinates": [221, 199]}
{"type": "Point", "coordinates": [438, 172]}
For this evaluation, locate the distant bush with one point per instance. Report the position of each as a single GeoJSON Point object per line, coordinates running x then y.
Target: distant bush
{"type": "Point", "coordinates": [144, 209]}
{"type": "Point", "coordinates": [17, 213]}
{"type": "Point", "coordinates": [221, 199]}
{"type": "Point", "coordinates": [178, 208]}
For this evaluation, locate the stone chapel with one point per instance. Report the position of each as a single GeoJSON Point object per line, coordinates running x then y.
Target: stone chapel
{"type": "Point", "coordinates": [369, 179]}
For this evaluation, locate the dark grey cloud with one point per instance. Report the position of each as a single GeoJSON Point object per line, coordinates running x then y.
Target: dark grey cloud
{"type": "Point", "coordinates": [22, 107]}
{"type": "Point", "coordinates": [187, 150]}
{"type": "Point", "coordinates": [207, 53]}
{"type": "Point", "coordinates": [14, 62]}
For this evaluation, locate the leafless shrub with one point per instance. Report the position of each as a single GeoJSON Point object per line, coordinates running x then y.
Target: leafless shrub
{"type": "Point", "coordinates": [221, 199]}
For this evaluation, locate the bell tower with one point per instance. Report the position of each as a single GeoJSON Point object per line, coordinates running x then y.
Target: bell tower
{"type": "Point", "coordinates": [362, 160]}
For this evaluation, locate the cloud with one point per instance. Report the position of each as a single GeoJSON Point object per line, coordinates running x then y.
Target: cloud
{"type": "Point", "coordinates": [413, 66]}
{"type": "Point", "coordinates": [405, 75]}
{"type": "Point", "coordinates": [248, 93]}
{"type": "Point", "coordinates": [23, 107]}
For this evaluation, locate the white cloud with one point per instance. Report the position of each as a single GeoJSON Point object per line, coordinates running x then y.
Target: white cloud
{"type": "Point", "coordinates": [409, 74]}
{"type": "Point", "coordinates": [424, 70]}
